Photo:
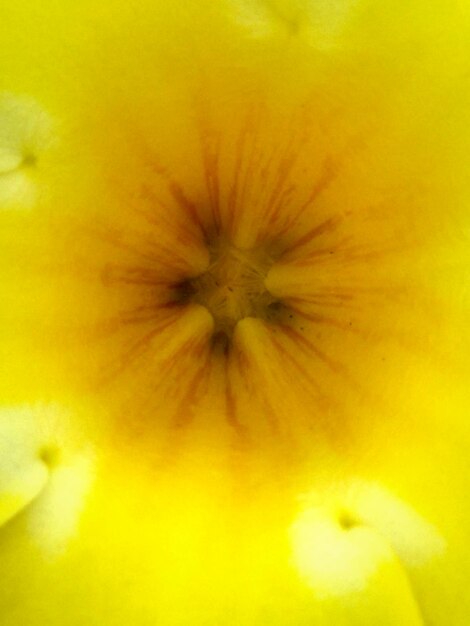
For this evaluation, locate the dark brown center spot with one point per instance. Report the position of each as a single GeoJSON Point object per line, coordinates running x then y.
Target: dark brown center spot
{"type": "Point", "coordinates": [232, 288]}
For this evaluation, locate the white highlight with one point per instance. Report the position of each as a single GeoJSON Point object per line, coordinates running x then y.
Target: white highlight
{"type": "Point", "coordinates": [340, 540]}
{"type": "Point", "coordinates": [22, 474]}
{"type": "Point", "coordinates": [45, 473]}
{"type": "Point", "coordinates": [9, 161]}
{"type": "Point", "coordinates": [55, 516]}
{"type": "Point", "coordinates": [321, 21]}
{"type": "Point", "coordinates": [332, 560]}
{"type": "Point", "coordinates": [25, 132]}
{"type": "Point", "coordinates": [413, 538]}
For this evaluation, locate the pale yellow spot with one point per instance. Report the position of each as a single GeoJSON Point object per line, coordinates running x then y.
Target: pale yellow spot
{"type": "Point", "coordinates": [321, 22]}
{"type": "Point", "coordinates": [9, 162]}
{"type": "Point", "coordinates": [22, 474]}
{"type": "Point", "coordinates": [25, 132]}
{"type": "Point", "coordinates": [413, 538]}
{"type": "Point", "coordinates": [42, 472]}
{"type": "Point", "coordinates": [342, 540]}
{"type": "Point", "coordinates": [335, 560]}
{"type": "Point", "coordinates": [55, 518]}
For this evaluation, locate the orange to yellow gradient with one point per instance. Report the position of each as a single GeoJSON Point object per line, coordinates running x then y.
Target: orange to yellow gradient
{"type": "Point", "coordinates": [235, 303]}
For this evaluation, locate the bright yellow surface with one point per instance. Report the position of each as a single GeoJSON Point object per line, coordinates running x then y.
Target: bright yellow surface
{"type": "Point", "coordinates": [313, 472]}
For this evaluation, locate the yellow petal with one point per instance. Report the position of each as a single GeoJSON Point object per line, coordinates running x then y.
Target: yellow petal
{"type": "Point", "coordinates": [235, 254]}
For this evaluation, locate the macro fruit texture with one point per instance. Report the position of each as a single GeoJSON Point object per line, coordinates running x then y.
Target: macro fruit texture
{"type": "Point", "coordinates": [234, 313]}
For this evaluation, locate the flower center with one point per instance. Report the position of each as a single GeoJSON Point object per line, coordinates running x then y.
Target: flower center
{"type": "Point", "coordinates": [233, 286]}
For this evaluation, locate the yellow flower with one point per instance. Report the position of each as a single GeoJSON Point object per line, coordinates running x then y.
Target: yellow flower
{"type": "Point", "coordinates": [234, 324]}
